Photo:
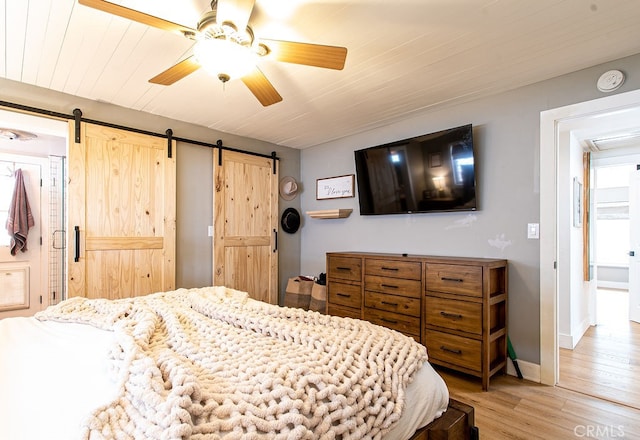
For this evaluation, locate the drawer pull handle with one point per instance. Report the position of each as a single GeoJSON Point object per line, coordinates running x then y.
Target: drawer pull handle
{"type": "Point", "coordinates": [451, 315]}
{"type": "Point", "coordinates": [386, 303]}
{"type": "Point", "coordinates": [394, 269]}
{"type": "Point", "coordinates": [457, 280]}
{"type": "Point", "coordinates": [389, 286]}
{"type": "Point", "coordinates": [451, 350]}
{"type": "Point", "coordinates": [344, 295]}
{"type": "Point", "coordinates": [390, 321]}
{"type": "Point", "coordinates": [343, 268]}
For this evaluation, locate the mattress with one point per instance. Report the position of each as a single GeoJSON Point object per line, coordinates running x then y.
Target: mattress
{"type": "Point", "coordinates": [53, 374]}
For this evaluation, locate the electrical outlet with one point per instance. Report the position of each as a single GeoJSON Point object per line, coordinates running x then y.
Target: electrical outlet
{"type": "Point", "coordinates": [210, 231]}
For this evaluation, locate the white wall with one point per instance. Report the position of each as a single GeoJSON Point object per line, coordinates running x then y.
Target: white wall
{"type": "Point", "coordinates": [573, 308]}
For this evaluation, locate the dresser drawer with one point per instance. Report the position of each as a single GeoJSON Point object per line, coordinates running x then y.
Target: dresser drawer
{"type": "Point", "coordinates": [452, 349]}
{"type": "Point", "coordinates": [453, 315]}
{"type": "Point", "coordinates": [454, 278]}
{"type": "Point", "coordinates": [345, 295]}
{"type": "Point", "coordinates": [393, 286]}
{"type": "Point", "coordinates": [411, 270]}
{"type": "Point", "coordinates": [345, 312]}
{"type": "Point", "coordinates": [345, 268]}
{"type": "Point", "coordinates": [409, 325]}
{"type": "Point", "coordinates": [392, 303]}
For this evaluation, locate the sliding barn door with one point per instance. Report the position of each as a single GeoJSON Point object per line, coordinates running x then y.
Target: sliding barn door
{"type": "Point", "coordinates": [121, 225]}
{"type": "Point", "coordinates": [245, 219]}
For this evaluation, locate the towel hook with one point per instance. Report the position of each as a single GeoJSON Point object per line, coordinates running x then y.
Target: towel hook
{"type": "Point", "coordinates": [10, 169]}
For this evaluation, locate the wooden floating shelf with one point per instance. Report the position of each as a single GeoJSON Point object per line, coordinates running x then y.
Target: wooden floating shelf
{"type": "Point", "coordinates": [330, 213]}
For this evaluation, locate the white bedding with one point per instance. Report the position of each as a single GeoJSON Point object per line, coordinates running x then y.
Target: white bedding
{"type": "Point", "coordinates": [53, 374]}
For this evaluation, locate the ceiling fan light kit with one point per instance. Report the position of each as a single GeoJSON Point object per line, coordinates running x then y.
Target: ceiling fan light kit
{"type": "Point", "coordinates": [223, 58]}
{"type": "Point", "coordinates": [226, 47]}
{"type": "Point", "coordinates": [222, 50]}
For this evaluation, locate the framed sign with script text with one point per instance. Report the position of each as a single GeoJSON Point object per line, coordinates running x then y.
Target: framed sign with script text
{"type": "Point", "coordinates": [335, 187]}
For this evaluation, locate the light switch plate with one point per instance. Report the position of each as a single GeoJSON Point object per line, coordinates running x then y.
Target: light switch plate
{"type": "Point", "coordinates": [533, 230]}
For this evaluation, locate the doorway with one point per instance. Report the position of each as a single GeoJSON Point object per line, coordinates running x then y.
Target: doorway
{"type": "Point", "coordinates": [33, 279]}
{"type": "Point", "coordinates": [602, 362]}
{"type": "Point", "coordinates": [21, 261]}
{"type": "Point", "coordinates": [612, 112]}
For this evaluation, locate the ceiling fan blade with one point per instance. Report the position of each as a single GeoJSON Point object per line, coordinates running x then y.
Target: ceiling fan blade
{"type": "Point", "coordinates": [140, 17]}
{"type": "Point", "coordinates": [318, 55]}
{"type": "Point", "coordinates": [261, 87]}
{"type": "Point", "coordinates": [176, 72]}
{"type": "Point", "coordinates": [235, 11]}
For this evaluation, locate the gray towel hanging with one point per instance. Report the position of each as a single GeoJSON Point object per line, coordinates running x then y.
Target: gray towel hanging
{"type": "Point", "coordinates": [20, 218]}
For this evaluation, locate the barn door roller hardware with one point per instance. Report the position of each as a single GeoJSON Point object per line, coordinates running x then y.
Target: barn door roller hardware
{"type": "Point", "coordinates": [274, 157]}
{"type": "Point", "coordinates": [77, 117]}
{"type": "Point", "coordinates": [169, 133]}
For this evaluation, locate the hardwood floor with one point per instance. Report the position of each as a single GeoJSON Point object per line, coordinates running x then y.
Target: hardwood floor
{"type": "Point", "coordinates": [598, 396]}
{"type": "Point", "coordinates": [516, 409]}
{"type": "Point", "coordinates": [606, 361]}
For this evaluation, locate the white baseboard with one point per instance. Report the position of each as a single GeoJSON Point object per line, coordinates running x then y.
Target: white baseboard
{"type": "Point", "coordinates": [582, 329]}
{"type": "Point", "coordinates": [566, 341]}
{"type": "Point", "coordinates": [570, 341]}
{"type": "Point", "coordinates": [529, 370]}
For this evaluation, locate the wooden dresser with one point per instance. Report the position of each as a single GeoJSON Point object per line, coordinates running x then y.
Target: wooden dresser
{"type": "Point", "coordinates": [455, 306]}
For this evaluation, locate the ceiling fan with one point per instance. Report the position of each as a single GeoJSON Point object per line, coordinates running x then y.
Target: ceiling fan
{"type": "Point", "coordinates": [226, 46]}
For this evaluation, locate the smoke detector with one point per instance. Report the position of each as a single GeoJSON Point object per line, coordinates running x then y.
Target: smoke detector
{"type": "Point", "coordinates": [610, 81]}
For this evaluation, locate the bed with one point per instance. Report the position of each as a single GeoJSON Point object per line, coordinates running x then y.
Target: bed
{"type": "Point", "coordinates": [210, 363]}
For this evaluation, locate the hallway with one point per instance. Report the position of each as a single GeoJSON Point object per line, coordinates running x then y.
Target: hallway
{"type": "Point", "coordinates": [606, 361]}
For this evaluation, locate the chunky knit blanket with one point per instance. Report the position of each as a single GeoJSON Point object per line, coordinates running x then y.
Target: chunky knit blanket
{"type": "Point", "coordinates": [211, 363]}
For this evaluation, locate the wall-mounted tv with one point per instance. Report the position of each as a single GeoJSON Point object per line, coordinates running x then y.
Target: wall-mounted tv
{"type": "Point", "coordinates": [430, 173]}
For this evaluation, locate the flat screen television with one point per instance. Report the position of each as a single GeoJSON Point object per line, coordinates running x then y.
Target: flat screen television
{"type": "Point", "coordinates": [430, 173]}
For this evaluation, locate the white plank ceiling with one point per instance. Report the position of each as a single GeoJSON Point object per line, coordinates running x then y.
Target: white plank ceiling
{"type": "Point", "coordinates": [404, 56]}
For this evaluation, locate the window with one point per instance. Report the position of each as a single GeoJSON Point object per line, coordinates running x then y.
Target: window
{"type": "Point", "coordinates": [614, 176]}
{"type": "Point", "coordinates": [613, 241]}
{"type": "Point", "coordinates": [612, 209]}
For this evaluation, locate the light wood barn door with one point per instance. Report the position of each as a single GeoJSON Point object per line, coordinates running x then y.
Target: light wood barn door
{"type": "Point", "coordinates": [245, 221]}
{"type": "Point", "coordinates": [122, 198]}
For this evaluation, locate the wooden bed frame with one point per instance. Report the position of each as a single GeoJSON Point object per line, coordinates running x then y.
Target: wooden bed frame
{"type": "Point", "coordinates": [457, 423]}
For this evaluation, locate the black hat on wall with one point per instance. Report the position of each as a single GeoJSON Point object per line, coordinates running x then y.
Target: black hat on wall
{"type": "Point", "coordinates": [290, 220]}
